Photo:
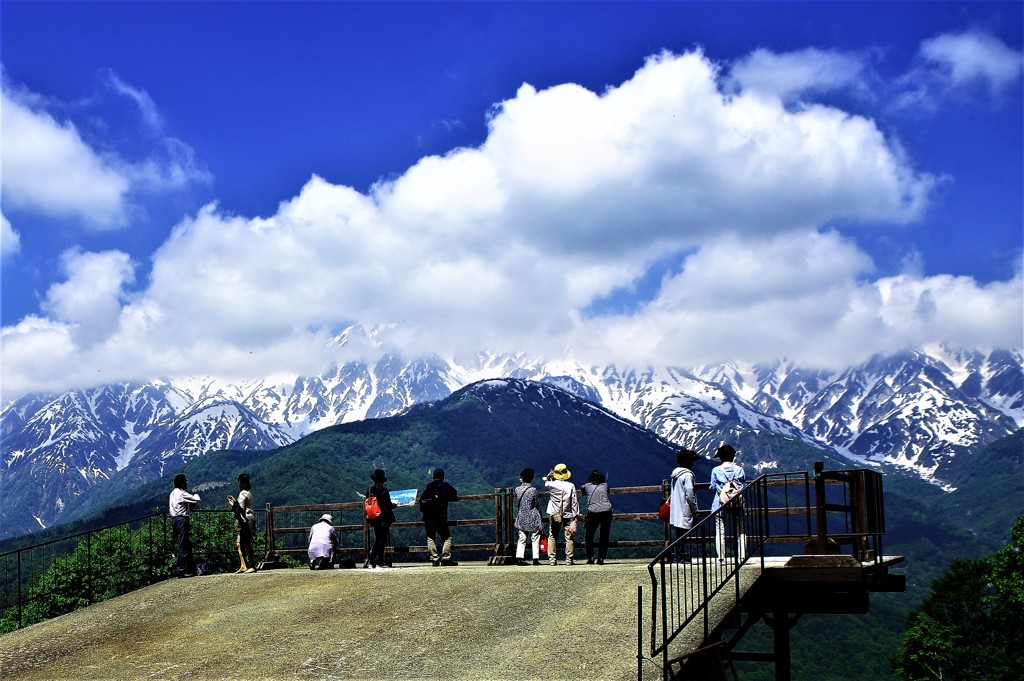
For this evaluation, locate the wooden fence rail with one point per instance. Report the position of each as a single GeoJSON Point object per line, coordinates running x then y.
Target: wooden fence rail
{"type": "Point", "coordinates": [502, 521]}
{"type": "Point", "coordinates": [796, 523]}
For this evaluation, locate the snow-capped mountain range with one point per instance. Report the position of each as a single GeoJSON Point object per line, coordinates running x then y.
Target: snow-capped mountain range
{"type": "Point", "coordinates": [917, 410]}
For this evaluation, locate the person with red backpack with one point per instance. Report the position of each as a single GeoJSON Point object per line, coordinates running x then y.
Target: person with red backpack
{"type": "Point", "coordinates": [382, 522]}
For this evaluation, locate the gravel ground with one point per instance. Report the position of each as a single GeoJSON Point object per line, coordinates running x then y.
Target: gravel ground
{"type": "Point", "coordinates": [472, 621]}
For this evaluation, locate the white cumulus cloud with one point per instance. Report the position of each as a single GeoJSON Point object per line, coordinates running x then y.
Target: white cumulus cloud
{"type": "Point", "coordinates": [508, 246]}
{"type": "Point", "coordinates": [974, 56]}
{"type": "Point", "coordinates": [89, 300]}
{"type": "Point", "coordinates": [48, 167]}
{"type": "Point", "coordinates": [789, 75]}
{"type": "Point", "coordinates": [10, 240]}
{"type": "Point", "coordinates": [51, 169]}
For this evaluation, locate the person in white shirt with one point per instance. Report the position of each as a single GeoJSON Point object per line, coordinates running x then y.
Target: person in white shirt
{"type": "Point", "coordinates": [563, 508]}
{"type": "Point", "coordinates": [180, 506]}
{"type": "Point", "coordinates": [323, 541]}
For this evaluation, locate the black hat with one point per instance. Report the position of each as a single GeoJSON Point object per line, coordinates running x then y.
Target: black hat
{"type": "Point", "coordinates": [684, 457]}
{"type": "Point", "coordinates": [438, 474]}
{"type": "Point", "coordinates": [725, 453]}
{"type": "Point", "coordinates": [378, 475]}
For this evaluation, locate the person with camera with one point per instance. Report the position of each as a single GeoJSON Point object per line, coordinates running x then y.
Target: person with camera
{"type": "Point", "coordinates": [563, 509]}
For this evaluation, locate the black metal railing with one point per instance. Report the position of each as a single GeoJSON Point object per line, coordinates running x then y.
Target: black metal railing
{"type": "Point", "coordinates": [825, 512]}
{"type": "Point", "coordinates": [55, 577]}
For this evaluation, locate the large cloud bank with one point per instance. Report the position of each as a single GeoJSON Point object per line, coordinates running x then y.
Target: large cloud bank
{"type": "Point", "coordinates": [725, 188]}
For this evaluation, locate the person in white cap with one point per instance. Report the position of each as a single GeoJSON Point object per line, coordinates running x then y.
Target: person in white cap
{"type": "Point", "coordinates": [323, 540]}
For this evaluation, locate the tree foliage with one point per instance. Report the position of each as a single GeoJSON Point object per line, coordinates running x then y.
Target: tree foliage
{"type": "Point", "coordinates": [969, 625]}
{"type": "Point", "coordinates": [113, 561]}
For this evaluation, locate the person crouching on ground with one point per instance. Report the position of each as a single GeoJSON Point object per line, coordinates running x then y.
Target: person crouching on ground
{"type": "Point", "coordinates": [528, 521]}
{"type": "Point", "coordinates": [563, 508]}
{"type": "Point", "coordinates": [434, 507]}
{"type": "Point", "coordinates": [323, 542]}
{"type": "Point", "coordinates": [180, 505]}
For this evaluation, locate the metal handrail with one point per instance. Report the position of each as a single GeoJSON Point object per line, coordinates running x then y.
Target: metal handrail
{"type": "Point", "coordinates": [682, 591]}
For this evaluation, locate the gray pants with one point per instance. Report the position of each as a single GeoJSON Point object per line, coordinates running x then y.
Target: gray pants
{"type": "Point", "coordinates": [438, 529]}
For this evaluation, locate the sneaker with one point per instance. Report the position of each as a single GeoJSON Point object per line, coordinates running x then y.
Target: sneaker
{"type": "Point", "coordinates": [536, 562]}
{"type": "Point", "coordinates": [449, 561]}
{"type": "Point", "coordinates": [570, 562]}
{"type": "Point", "coordinates": [435, 563]}
{"type": "Point", "coordinates": [520, 561]}
{"type": "Point", "coordinates": [600, 561]}
{"type": "Point", "coordinates": [590, 561]}
{"type": "Point", "coordinates": [552, 562]}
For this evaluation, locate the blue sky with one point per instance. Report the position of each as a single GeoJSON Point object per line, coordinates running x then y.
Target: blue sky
{"type": "Point", "coordinates": [219, 188]}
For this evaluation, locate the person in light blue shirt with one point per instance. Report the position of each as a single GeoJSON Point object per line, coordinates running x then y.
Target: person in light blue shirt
{"type": "Point", "coordinates": [727, 471]}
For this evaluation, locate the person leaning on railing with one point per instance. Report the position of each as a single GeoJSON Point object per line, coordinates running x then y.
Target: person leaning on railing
{"type": "Point", "coordinates": [434, 509]}
{"type": "Point", "coordinates": [180, 506]}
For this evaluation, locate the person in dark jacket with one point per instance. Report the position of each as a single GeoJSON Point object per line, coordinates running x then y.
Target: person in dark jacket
{"type": "Point", "coordinates": [434, 507]}
{"type": "Point", "coordinates": [599, 515]}
{"type": "Point", "coordinates": [381, 524]}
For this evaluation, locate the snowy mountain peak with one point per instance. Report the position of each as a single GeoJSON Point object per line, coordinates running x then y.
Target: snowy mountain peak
{"type": "Point", "coordinates": [917, 410]}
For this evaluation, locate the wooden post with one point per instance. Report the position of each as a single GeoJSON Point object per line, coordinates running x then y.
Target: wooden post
{"type": "Point", "coordinates": [504, 546]}
{"type": "Point", "coordinates": [821, 545]}
{"type": "Point", "coordinates": [781, 623]}
{"type": "Point", "coordinates": [859, 516]}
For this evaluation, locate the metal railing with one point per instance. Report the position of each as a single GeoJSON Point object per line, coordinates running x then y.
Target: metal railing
{"type": "Point", "coordinates": [830, 510]}
{"type": "Point", "coordinates": [55, 577]}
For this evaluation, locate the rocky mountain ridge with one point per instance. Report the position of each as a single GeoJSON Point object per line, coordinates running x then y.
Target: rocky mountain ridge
{"type": "Point", "coordinates": [918, 410]}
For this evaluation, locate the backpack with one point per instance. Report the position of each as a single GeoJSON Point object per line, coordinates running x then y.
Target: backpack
{"type": "Point", "coordinates": [371, 507]}
{"type": "Point", "coordinates": [729, 490]}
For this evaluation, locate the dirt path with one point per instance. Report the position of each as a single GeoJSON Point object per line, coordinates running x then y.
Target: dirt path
{"type": "Point", "coordinates": [467, 622]}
